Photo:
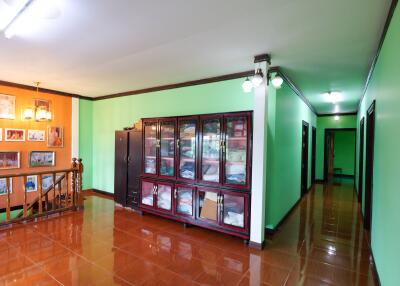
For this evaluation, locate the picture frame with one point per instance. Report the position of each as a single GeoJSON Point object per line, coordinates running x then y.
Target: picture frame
{"type": "Point", "coordinates": [7, 106]}
{"type": "Point", "coordinates": [47, 181]}
{"type": "Point", "coordinates": [1, 134]}
{"type": "Point", "coordinates": [36, 135]}
{"type": "Point", "coordinates": [3, 186]}
{"type": "Point", "coordinates": [14, 135]}
{"type": "Point", "coordinates": [9, 160]}
{"type": "Point", "coordinates": [42, 159]}
{"type": "Point", "coordinates": [55, 137]}
{"type": "Point", "coordinates": [31, 183]}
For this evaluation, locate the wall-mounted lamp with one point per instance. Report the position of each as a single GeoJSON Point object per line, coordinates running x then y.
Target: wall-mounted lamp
{"type": "Point", "coordinates": [277, 82]}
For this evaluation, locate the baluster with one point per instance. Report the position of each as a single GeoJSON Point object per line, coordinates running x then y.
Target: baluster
{"type": "Point", "coordinates": [74, 185]}
{"type": "Point", "coordinates": [25, 180]}
{"type": "Point", "coordinates": [40, 194]}
{"type": "Point", "coordinates": [59, 193]}
{"type": "Point", "coordinates": [66, 189]}
{"type": "Point", "coordinates": [80, 165]}
{"type": "Point", "coordinates": [8, 214]}
{"type": "Point", "coordinates": [54, 191]}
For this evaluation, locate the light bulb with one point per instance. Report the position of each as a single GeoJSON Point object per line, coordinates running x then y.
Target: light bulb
{"type": "Point", "coordinates": [336, 117]}
{"type": "Point", "coordinates": [257, 79]}
{"type": "Point", "coordinates": [48, 116]}
{"type": "Point", "coordinates": [41, 115]}
{"type": "Point", "coordinates": [28, 114]}
{"type": "Point", "coordinates": [247, 86]}
{"type": "Point", "coordinates": [277, 82]}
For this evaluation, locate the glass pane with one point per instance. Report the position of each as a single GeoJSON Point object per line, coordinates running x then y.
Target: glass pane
{"type": "Point", "coordinates": [208, 207]}
{"type": "Point", "coordinates": [164, 197]}
{"type": "Point", "coordinates": [147, 193]}
{"type": "Point", "coordinates": [150, 148]}
{"type": "Point", "coordinates": [233, 210]}
{"type": "Point", "coordinates": [184, 201]}
{"type": "Point", "coordinates": [187, 149]}
{"type": "Point", "coordinates": [236, 150]}
{"type": "Point", "coordinates": [167, 149]}
{"type": "Point", "coordinates": [210, 150]}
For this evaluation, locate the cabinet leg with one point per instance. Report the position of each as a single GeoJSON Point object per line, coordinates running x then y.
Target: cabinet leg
{"type": "Point", "coordinates": [186, 225]}
{"type": "Point", "coordinates": [245, 241]}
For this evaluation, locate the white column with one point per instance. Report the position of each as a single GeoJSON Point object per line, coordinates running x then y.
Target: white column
{"type": "Point", "coordinates": [75, 128]}
{"type": "Point", "coordinates": [260, 115]}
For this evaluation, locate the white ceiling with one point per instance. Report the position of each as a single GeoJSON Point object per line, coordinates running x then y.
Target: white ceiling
{"type": "Point", "coordinates": [100, 47]}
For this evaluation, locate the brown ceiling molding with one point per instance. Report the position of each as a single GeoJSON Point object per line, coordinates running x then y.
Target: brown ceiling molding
{"type": "Point", "coordinates": [179, 85]}
{"type": "Point", "coordinates": [381, 41]}
{"type": "Point", "coordinates": [339, 114]}
{"type": "Point", "coordinates": [291, 84]}
{"type": "Point", "coordinates": [45, 90]}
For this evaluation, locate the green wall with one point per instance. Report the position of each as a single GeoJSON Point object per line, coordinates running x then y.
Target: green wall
{"type": "Point", "coordinates": [100, 119]}
{"type": "Point", "coordinates": [344, 150]}
{"type": "Point", "coordinates": [86, 140]}
{"type": "Point", "coordinates": [284, 153]}
{"type": "Point", "coordinates": [384, 87]}
{"type": "Point", "coordinates": [328, 122]}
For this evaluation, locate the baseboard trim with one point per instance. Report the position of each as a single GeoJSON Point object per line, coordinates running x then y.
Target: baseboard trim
{"type": "Point", "coordinates": [256, 245]}
{"type": "Point", "coordinates": [111, 195]}
{"type": "Point", "coordinates": [375, 270]}
{"type": "Point", "coordinates": [319, 181]}
{"type": "Point", "coordinates": [343, 176]}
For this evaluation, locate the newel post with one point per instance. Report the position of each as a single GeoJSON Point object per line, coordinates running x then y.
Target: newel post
{"type": "Point", "coordinates": [73, 183]}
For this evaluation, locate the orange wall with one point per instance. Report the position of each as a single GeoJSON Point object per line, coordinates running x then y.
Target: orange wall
{"type": "Point", "coordinates": [61, 110]}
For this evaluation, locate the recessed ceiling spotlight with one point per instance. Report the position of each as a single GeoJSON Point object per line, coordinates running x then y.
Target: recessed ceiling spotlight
{"type": "Point", "coordinates": [277, 82]}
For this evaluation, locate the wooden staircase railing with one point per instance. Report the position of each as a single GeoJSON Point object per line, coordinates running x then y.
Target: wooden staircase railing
{"type": "Point", "coordinates": [62, 195]}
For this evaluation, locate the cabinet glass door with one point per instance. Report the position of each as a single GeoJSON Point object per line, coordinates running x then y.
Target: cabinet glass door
{"type": "Point", "coordinates": [150, 147]}
{"type": "Point", "coordinates": [184, 200]}
{"type": "Point", "coordinates": [210, 151]}
{"type": "Point", "coordinates": [167, 150]}
{"type": "Point", "coordinates": [147, 192]}
{"type": "Point", "coordinates": [233, 210]}
{"type": "Point", "coordinates": [187, 149]}
{"type": "Point", "coordinates": [207, 207]}
{"type": "Point", "coordinates": [164, 197]}
{"type": "Point", "coordinates": [235, 147]}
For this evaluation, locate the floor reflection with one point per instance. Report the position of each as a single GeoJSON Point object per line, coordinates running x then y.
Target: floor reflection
{"type": "Point", "coordinates": [321, 243]}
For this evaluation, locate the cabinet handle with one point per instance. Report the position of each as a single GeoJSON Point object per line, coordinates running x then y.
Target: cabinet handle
{"type": "Point", "coordinates": [175, 193]}
{"type": "Point", "coordinates": [158, 143]}
{"type": "Point", "coordinates": [156, 189]}
{"type": "Point", "coordinates": [177, 143]}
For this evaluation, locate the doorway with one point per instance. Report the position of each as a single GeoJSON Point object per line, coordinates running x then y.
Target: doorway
{"type": "Point", "coordinates": [361, 161]}
{"type": "Point", "coordinates": [304, 158]}
{"type": "Point", "coordinates": [369, 166]}
{"type": "Point", "coordinates": [339, 154]}
{"type": "Point", "coordinates": [313, 153]}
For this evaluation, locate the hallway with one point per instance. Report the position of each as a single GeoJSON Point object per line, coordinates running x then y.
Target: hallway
{"type": "Point", "coordinates": [321, 243]}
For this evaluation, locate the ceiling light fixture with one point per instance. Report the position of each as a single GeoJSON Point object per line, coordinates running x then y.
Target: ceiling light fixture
{"type": "Point", "coordinates": [11, 28]}
{"type": "Point", "coordinates": [333, 96]}
{"type": "Point", "coordinates": [247, 85]}
{"type": "Point", "coordinates": [258, 78]}
{"type": "Point", "coordinates": [277, 82]}
{"type": "Point", "coordinates": [336, 117]}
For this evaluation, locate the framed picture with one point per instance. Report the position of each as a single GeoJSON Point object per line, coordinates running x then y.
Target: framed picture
{"type": "Point", "coordinates": [55, 137]}
{"type": "Point", "coordinates": [7, 106]}
{"type": "Point", "coordinates": [3, 186]}
{"type": "Point", "coordinates": [9, 160]}
{"type": "Point", "coordinates": [47, 181]}
{"type": "Point", "coordinates": [36, 135]}
{"type": "Point", "coordinates": [15, 135]}
{"type": "Point", "coordinates": [42, 158]}
{"type": "Point", "coordinates": [31, 184]}
{"type": "Point", "coordinates": [1, 134]}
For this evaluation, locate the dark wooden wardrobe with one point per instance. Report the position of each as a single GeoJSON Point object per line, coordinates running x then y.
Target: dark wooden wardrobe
{"type": "Point", "coordinates": [128, 166]}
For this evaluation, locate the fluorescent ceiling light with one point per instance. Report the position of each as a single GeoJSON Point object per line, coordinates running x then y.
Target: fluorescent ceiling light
{"type": "Point", "coordinates": [333, 96]}
{"type": "Point", "coordinates": [14, 18]}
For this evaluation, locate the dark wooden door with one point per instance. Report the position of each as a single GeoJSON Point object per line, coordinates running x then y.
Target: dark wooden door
{"type": "Point", "coordinates": [120, 171]}
{"type": "Point", "coordinates": [314, 154]}
{"type": "Point", "coordinates": [304, 157]}
{"type": "Point", "coordinates": [134, 167]}
{"type": "Point", "coordinates": [369, 166]}
{"type": "Point", "coordinates": [361, 162]}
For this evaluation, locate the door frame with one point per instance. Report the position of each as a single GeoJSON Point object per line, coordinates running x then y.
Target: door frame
{"type": "Point", "coordinates": [313, 153]}
{"type": "Point", "coordinates": [361, 160]}
{"type": "Point", "coordinates": [304, 158]}
{"type": "Point", "coordinates": [333, 130]}
{"type": "Point", "coordinates": [369, 166]}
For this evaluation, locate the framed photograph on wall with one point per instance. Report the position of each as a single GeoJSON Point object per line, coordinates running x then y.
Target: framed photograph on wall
{"type": "Point", "coordinates": [36, 135]}
{"type": "Point", "coordinates": [31, 184]}
{"type": "Point", "coordinates": [9, 160]}
{"type": "Point", "coordinates": [1, 134]}
{"type": "Point", "coordinates": [55, 137]}
{"type": "Point", "coordinates": [7, 106]}
{"type": "Point", "coordinates": [42, 159]}
{"type": "Point", "coordinates": [47, 181]}
{"type": "Point", "coordinates": [3, 186]}
{"type": "Point", "coordinates": [14, 135]}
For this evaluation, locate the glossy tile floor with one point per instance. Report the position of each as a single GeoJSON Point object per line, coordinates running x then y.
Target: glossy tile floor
{"type": "Point", "coordinates": [322, 243]}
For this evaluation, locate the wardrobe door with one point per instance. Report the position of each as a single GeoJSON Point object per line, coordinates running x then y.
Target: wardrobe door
{"type": "Point", "coordinates": [184, 200]}
{"type": "Point", "coordinates": [150, 146]}
{"type": "Point", "coordinates": [234, 210]}
{"type": "Point", "coordinates": [147, 195]}
{"type": "Point", "coordinates": [134, 167]}
{"type": "Point", "coordinates": [120, 173]}
{"type": "Point", "coordinates": [187, 148]}
{"type": "Point", "coordinates": [164, 197]}
{"type": "Point", "coordinates": [167, 146]}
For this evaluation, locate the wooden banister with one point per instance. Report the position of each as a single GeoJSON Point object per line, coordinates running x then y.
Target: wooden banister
{"type": "Point", "coordinates": [57, 198]}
